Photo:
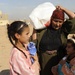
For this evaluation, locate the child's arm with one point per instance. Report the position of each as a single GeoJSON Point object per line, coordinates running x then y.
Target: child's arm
{"type": "Point", "coordinates": [69, 71]}
{"type": "Point", "coordinates": [66, 70]}
{"type": "Point", "coordinates": [35, 57]}
{"type": "Point", "coordinates": [36, 61]}
{"type": "Point", "coordinates": [55, 68]}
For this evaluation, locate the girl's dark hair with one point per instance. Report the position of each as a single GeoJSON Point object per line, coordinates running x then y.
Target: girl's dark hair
{"type": "Point", "coordinates": [72, 42]}
{"type": "Point", "coordinates": [70, 57]}
{"type": "Point", "coordinates": [15, 27]}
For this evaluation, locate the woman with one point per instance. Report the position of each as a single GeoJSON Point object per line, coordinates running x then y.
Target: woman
{"type": "Point", "coordinates": [50, 39]}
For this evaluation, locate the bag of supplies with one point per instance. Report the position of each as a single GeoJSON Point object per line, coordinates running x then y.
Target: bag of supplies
{"type": "Point", "coordinates": [41, 15]}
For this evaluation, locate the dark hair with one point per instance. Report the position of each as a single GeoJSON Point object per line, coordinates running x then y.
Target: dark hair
{"type": "Point", "coordinates": [72, 42]}
{"type": "Point", "coordinates": [15, 27]}
{"type": "Point", "coordinates": [70, 57]}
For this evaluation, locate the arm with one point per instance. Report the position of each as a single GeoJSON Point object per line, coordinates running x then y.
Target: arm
{"type": "Point", "coordinates": [35, 57]}
{"type": "Point", "coordinates": [68, 12]}
{"type": "Point", "coordinates": [36, 64]}
{"type": "Point", "coordinates": [69, 71]}
{"type": "Point", "coordinates": [66, 70]}
{"type": "Point", "coordinates": [55, 70]}
{"type": "Point", "coordinates": [36, 61]}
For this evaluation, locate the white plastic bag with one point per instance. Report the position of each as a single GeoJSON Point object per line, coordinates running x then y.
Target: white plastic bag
{"type": "Point", "coordinates": [41, 15]}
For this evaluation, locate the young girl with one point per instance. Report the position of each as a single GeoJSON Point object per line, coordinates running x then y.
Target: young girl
{"type": "Point", "coordinates": [20, 61]}
{"type": "Point", "coordinates": [67, 65]}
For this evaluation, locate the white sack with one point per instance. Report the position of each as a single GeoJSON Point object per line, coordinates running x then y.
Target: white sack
{"type": "Point", "coordinates": [41, 15]}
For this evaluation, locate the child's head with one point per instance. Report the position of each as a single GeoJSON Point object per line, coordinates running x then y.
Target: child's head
{"type": "Point", "coordinates": [18, 31]}
{"type": "Point", "coordinates": [70, 44]}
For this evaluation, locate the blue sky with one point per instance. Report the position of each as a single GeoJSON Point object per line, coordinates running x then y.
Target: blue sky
{"type": "Point", "coordinates": [20, 9]}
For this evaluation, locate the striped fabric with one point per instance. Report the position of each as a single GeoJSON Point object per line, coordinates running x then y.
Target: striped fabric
{"type": "Point", "coordinates": [69, 71]}
{"type": "Point", "coordinates": [19, 64]}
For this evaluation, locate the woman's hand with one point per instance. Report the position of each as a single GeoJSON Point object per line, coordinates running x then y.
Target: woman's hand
{"type": "Point", "coordinates": [60, 7]}
{"type": "Point", "coordinates": [54, 70]}
{"type": "Point", "coordinates": [70, 14]}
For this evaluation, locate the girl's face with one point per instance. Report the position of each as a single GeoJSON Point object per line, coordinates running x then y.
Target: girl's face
{"type": "Point", "coordinates": [70, 48]}
{"type": "Point", "coordinates": [24, 36]}
{"type": "Point", "coordinates": [57, 23]}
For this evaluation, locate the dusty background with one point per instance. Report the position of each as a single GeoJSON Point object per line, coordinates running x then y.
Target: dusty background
{"type": "Point", "coordinates": [5, 47]}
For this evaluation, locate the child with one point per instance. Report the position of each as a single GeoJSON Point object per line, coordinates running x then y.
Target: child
{"type": "Point", "coordinates": [67, 65]}
{"type": "Point", "coordinates": [20, 61]}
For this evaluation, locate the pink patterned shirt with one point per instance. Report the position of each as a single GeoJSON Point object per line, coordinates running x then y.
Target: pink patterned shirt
{"type": "Point", "coordinates": [69, 71]}
{"type": "Point", "coordinates": [19, 64]}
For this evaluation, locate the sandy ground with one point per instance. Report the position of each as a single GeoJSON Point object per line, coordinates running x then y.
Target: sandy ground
{"type": "Point", "coordinates": [5, 47]}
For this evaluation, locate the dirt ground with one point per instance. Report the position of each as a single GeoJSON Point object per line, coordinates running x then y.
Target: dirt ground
{"type": "Point", "coordinates": [5, 47]}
